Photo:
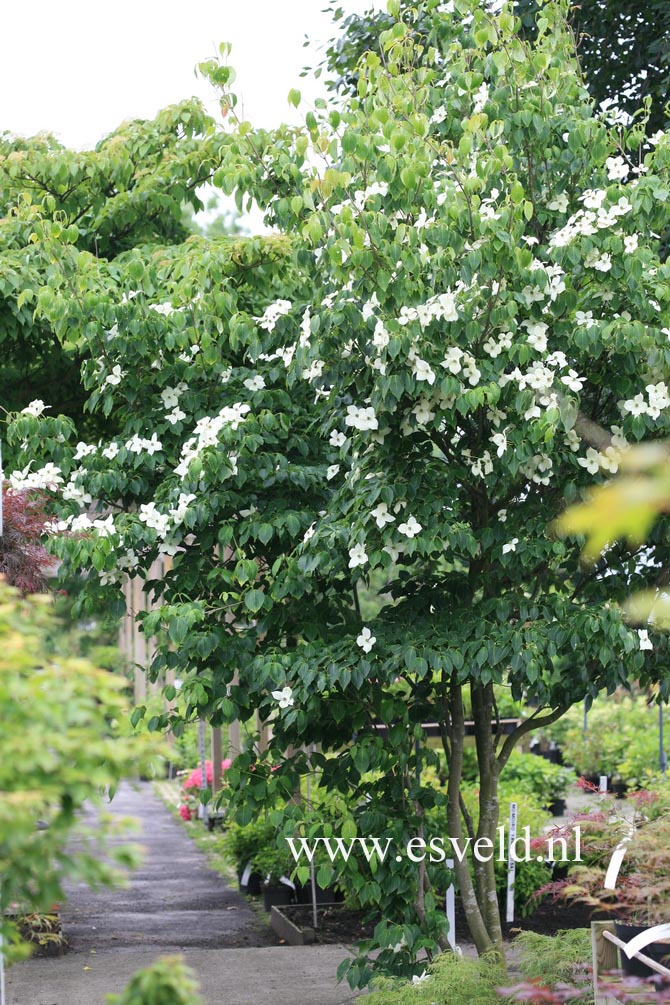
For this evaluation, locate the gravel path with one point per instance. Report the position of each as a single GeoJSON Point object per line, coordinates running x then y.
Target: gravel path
{"type": "Point", "coordinates": [174, 903]}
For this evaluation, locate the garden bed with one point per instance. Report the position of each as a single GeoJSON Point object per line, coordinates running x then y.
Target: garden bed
{"type": "Point", "coordinates": [337, 924]}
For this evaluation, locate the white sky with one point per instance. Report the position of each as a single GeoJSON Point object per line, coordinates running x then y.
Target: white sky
{"type": "Point", "coordinates": [78, 68]}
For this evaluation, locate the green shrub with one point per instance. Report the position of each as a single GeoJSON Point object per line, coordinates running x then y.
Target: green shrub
{"type": "Point", "coordinates": [538, 777]}
{"type": "Point", "coordinates": [451, 980]}
{"type": "Point", "coordinates": [561, 958]}
{"type": "Point", "coordinates": [621, 739]}
{"type": "Point", "coordinates": [61, 747]}
{"type": "Point", "coordinates": [243, 844]}
{"type": "Point", "coordinates": [166, 982]}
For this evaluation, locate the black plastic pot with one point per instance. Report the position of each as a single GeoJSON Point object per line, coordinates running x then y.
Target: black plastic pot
{"type": "Point", "coordinates": [557, 807]}
{"type": "Point", "coordinates": [595, 780]}
{"type": "Point", "coordinates": [278, 896]}
{"type": "Point", "coordinates": [657, 951]}
{"type": "Point", "coordinates": [253, 886]}
{"type": "Point", "coordinates": [620, 789]}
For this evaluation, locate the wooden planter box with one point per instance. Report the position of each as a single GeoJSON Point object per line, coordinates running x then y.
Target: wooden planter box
{"type": "Point", "coordinates": [338, 925]}
{"type": "Point", "coordinates": [288, 931]}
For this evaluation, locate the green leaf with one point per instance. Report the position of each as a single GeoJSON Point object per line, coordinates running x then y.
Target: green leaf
{"type": "Point", "coordinates": [254, 600]}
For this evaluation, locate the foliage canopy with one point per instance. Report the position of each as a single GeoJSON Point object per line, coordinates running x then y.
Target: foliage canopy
{"type": "Point", "coordinates": [461, 320]}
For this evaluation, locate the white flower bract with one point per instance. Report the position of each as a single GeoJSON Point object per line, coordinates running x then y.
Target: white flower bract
{"type": "Point", "coordinates": [284, 697]}
{"type": "Point", "coordinates": [366, 640]}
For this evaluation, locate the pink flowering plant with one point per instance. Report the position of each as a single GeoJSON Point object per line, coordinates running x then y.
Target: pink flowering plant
{"type": "Point", "coordinates": [192, 788]}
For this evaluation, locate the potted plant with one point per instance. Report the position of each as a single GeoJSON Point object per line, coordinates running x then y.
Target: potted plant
{"type": "Point", "coordinates": [275, 866]}
{"type": "Point", "coordinates": [545, 781]}
{"type": "Point", "coordinates": [43, 931]}
{"type": "Point", "coordinates": [619, 785]}
{"type": "Point", "coordinates": [242, 845]}
{"type": "Point", "coordinates": [641, 898]}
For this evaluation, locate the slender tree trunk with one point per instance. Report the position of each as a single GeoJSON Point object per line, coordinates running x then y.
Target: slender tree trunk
{"type": "Point", "coordinates": [489, 811]}
{"type": "Point", "coordinates": [454, 743]}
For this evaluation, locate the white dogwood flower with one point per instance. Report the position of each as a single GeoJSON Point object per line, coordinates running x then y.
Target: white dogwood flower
{"type": "Point", "coordinates": [284, 697]}
{"type": "Point", "coordinates": [423, 370]}
{"type": "Point", "coordinates": [357, 556]}
{"type": "Point", "coordinates": [116, 375]}
{"type": "Point", "coordinates": [537, 334]}
{"type": "Point", "coordinates": [591, 462]}
{"type": "Point", "coordinates": [35, 408]}
{"type": "Point", "coordinates": [617, 169]}
{"type": "Point", "coordinates": [361, 418]}
{"type": "Point", "coordinates": [636, 405]}
{"type": "Point", "coordinates": [452, 360]}
{"type": "Point", "coordinates": [411, 527]}
{"type": "Point", "coordinates": [573, 380]}
{"type": "Point", "coordinates": [366, 640]}
{"type": "Point", "coordinates": [176, 415]}
{"type": "Point", "coordinates": [272, 313]}
{"type": "Point", "coordinates": [423, 412]}
{"type": "Point", "coordinates": [381, 515]}
{"type": "Point", "coordinates": [645, 641]}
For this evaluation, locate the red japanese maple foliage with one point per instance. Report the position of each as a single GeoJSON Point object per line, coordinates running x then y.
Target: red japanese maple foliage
{"type": "Point", "coordinates": [24, 561]}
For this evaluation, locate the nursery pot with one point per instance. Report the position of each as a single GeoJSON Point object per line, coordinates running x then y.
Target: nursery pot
{"type": "Point", "coordinates": [620, 789]}
{"type": "Point", "coordinates": [657, 951]}
{"type": "Point", "coordinates": [277, 895]}
{"type": "Point", "coordinates": [595, 780]}
{"type": "Point", "coordinates": [250, 882]}
{"type": "Point", "coordinates": [557, 807]}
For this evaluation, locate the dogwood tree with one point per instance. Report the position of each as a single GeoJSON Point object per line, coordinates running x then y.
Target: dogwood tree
{"type": "Point", "coordinates": [129, 191]}
{"type": "Point", "coordinates": [465, 322]}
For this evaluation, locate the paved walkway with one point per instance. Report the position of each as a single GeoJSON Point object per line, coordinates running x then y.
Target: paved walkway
{"type": "Point", "coordinates": [174, 904]}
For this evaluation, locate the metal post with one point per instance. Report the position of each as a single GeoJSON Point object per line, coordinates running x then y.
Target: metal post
{"type": "Point", "coordinates": [217, 757]}
{"type": "Point", "coordinates": [203, 766]}
{"type": "Point", "coordinates": [663, 761]}
{"type": "Point", "coordinates": [312, 872]}
{"type": "Point", "coordinates": [2, 971]}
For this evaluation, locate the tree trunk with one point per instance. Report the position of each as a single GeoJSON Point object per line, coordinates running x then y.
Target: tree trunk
{"type": "Point", "coordinates": [489, 811]}
{"type": "Point", "coordinates": [453, 744]}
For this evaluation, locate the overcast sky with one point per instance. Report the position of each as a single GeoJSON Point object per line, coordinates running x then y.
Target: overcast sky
{"type": "Point", "coordinates": [80, 67]}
